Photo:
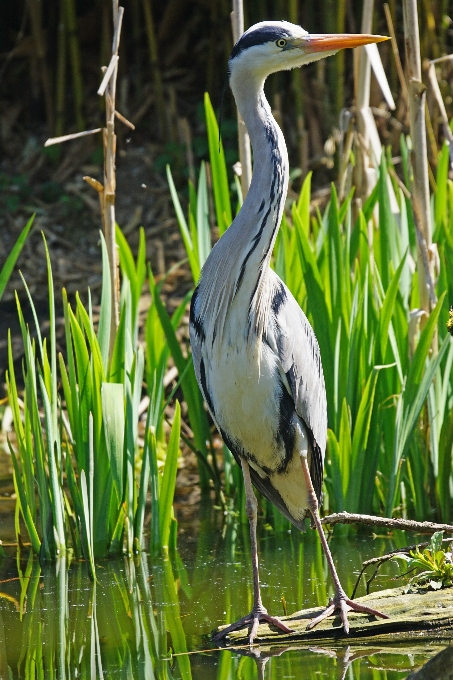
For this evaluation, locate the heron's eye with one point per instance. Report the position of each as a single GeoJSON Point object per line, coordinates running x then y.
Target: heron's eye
{"type": "Point", "coordinates": [281, 42]}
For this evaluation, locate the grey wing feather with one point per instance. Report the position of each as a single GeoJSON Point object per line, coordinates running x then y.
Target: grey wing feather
{"type": "Point", "coordinates": [300, 362]}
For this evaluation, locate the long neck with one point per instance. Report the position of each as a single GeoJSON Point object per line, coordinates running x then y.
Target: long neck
{"type": "Point", "coordinates": [235, 274]}
{"type": "Point", "coordinates": [256, 226]}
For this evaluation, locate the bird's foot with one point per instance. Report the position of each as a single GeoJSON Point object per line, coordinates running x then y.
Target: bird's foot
{"type": "Point", "coordinates": [343, 604]}
{"type": "Point", "coordinates": [253, 619]}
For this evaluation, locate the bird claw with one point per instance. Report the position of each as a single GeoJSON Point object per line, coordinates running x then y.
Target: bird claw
{"type": "Point", "coordinates": [253, 619]}
{"type": "Point", "coordinates": [342, 603]}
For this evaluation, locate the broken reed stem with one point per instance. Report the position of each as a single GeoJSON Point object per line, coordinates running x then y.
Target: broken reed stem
{"type": "Point", "coordinates": [245, 154]}
{"type": "Point", "coordinates": [106, 192]}
{"type": "Point", "coordinates": [387, 522]}
{"type": "Point", "coordinates": [67, 138]}
{"type": "Point", "coordinates": [420, 189]}
{"type": "Point", "coordinates": [107, 197]}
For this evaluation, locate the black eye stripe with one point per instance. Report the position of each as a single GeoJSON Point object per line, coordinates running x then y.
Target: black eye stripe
{"type": "Point", "coordinates": [259, 37]}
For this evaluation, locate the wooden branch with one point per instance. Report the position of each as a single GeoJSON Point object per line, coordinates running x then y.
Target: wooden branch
{"type": "Point", "coordinates": [388, 522]}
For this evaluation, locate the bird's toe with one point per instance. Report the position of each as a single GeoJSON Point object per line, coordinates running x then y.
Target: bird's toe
{"type": "Point", "coordinates": [342, 604]}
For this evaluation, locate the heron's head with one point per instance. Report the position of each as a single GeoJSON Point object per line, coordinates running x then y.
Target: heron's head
{"type": "Point", "coordinates": [272, 46]}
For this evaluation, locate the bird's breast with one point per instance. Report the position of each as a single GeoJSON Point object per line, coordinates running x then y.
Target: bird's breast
{"type": "Point", "coordinates": [246, 396]}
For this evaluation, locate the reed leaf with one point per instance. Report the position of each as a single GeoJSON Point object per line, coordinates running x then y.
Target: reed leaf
{"type": "Point", "coordinates": [113, 420]}
{"type": "Point", "coordinates": [167, 488]}
{"type": "Point", "coordinates": [220, 183]}
{"type": "Point", "coordinates": [410, 402]}
{"type": "Point", "coordinates": [10, 262]}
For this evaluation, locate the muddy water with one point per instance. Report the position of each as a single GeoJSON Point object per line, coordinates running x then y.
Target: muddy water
{"type": "Point", "coordinates": [151, 618]}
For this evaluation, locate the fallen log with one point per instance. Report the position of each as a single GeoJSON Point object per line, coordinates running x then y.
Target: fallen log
{"type": "Point", "coordinates": [424, 610]}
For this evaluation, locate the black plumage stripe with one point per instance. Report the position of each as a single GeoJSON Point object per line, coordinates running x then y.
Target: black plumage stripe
{"type": "Point", "coordinates": [205, 390]}
{"type": "Point", "coordinates": [275, 194]}
{"type": "Point", "coordinates": [315, 465]}
{"type": "Point", "coordinates": [259, 37]}
{"type": "Point", "coordinates": [194, 319]}
{"type": "Point", "coordinates": [278, 298]}
{"type": "Point", "coordinates": [285, 435]}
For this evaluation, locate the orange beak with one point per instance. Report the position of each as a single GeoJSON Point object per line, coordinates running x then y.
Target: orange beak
{"type": "Point", "coordinates": [337, 41]}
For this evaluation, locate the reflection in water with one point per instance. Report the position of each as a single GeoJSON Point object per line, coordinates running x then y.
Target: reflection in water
{"type": "Point", "coordinates": [149, 619]}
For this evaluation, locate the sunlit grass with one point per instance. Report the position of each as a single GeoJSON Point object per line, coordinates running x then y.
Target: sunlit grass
{"type": "Point", "coordinates": [82, 481]}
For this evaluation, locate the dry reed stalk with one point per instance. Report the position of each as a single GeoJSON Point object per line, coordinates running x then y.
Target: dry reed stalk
{"type": "Point", "coordinates": [297, 83]}
{"type": "Point", "coordinates": [106, 191]}
{"type": "Point", "coordinates": [245, 154]}
{"type": "Point", "coordinates": [156, 74]}
{"type": "Point", "coordinates": [440, 103]}
{"type": "Point", "coordinates": [67, 138]}
{"type": "Point", "coordinates": [108, 194]}
{"type": "Point", "coordinates": [35, 9]}
{"type": "Point", "coordinates": [61, 75]}
{"type": "Point", "coordinates": [420, 189]}
{"type": "Point", "coordinates": [362, 72]}
{"type": "Point", "coordinates": [185, 136]}
{"type": "Point", "coordinates": [74, 53]}
{"type": "Point", "coordinates": [339, 64]}
{"type": "Point", "coordinates": [396, 55]}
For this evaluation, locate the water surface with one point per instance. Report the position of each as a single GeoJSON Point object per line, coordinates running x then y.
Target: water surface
{"type": "Point", "coordinates": [151, 618]}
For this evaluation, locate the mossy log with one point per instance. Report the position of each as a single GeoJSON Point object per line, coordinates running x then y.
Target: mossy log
{"type": "Point", "coordinates": [430, 611]}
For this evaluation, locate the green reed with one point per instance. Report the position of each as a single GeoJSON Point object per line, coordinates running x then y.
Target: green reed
{"type": "Point", "coordinates": [10, 262]}
{"type": "Point", "coordinates": [82, 481]}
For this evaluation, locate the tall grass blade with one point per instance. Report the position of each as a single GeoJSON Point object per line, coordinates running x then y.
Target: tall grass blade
{"type": "Point", "coordinates": [410, 402]}
{"type": "Point", "coordinates": [219, 172]}
{"type": "Point", "coordinates": [8, 266]}
{"type": "Point", "coordinates": [113, 420]}
{"type": "Point", "coordinates": [167, 488]}
{"type": "Point", "coordinates": [105, 315]}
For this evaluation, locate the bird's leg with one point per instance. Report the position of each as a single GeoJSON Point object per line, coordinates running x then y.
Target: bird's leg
{"type": "Point", "coordinates": [340, 600]}
{"type": "Point", "coordinates": [259, 612]}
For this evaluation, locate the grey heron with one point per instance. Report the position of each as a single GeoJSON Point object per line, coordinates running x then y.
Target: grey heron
{"type": "Point", "coordinates": [256, 357]}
